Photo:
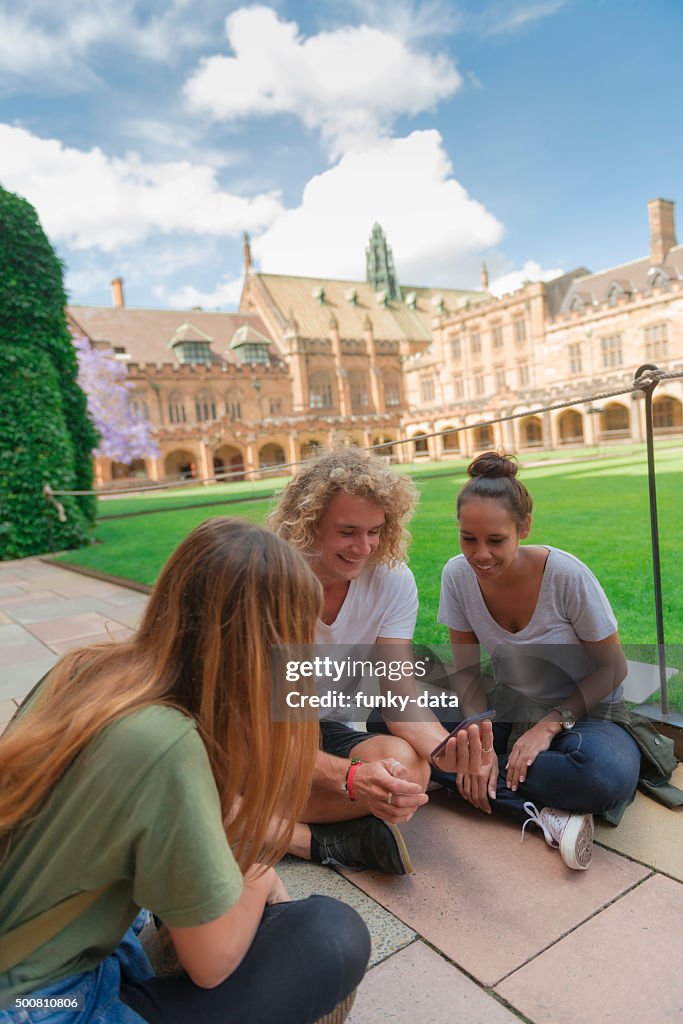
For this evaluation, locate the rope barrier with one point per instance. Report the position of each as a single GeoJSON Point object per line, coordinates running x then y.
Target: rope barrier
{"type": "Point", "coordinates": [640, 385]}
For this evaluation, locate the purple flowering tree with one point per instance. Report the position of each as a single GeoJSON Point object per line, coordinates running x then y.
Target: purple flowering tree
{"type": "Point", "coordinates": [123, 435]}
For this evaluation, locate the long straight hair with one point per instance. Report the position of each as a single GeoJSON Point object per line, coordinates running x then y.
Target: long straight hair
{"type": "Point", "coordinates": [226, 594]}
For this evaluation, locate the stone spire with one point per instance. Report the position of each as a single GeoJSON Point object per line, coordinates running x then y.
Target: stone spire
{"type": "Point", "coordinates": [246, 248]}
{"type": "Point", "coordinates": [484, 278]}
{"type": "Point", "coordinates": [380, 272]}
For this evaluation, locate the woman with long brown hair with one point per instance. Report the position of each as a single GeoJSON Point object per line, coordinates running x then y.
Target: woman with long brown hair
{"type": "Point", "coordinates": [147, 774]}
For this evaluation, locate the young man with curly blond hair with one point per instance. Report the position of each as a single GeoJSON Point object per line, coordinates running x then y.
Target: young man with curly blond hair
{"type": "Point", "coordinates": [348, 512]}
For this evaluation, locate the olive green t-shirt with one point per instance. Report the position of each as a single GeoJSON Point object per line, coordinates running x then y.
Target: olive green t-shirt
{"type": "Point", "coordinates": [137, 810]}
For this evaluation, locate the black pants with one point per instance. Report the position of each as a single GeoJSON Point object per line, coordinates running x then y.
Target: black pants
{"type": "Point", "coordinates": [306, 957]}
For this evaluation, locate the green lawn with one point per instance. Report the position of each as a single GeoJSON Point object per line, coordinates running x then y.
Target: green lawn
{"type": "Point", "coordinates": [596, 509]}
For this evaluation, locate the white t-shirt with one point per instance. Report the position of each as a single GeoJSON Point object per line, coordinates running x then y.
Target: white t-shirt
{"type": "Point", "coordinates": [546, 659]}
{"type": "Point", "coordinates": [380, 603]}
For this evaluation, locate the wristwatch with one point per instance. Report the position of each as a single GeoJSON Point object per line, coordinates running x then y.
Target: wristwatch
{"type": "Point", "coordinates": [567, 717]}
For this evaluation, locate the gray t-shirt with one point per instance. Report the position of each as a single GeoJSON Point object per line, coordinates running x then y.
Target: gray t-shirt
{"type": "Point", "coordinates": [546, 659]}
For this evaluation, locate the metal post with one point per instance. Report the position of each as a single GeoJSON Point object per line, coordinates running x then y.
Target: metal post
{"type": "Point", "coordinates": [646, 380]}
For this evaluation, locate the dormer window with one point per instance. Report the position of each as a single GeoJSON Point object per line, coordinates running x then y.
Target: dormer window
{"type": "Point", "coordinates": [253, 352]}
{"type": "Point", "coordinates": [658, 277]}
{"type": "Point", "coordinates": [250, 346]}
{"type": "Point", "coordinates": [193, 353]}
{"type": "Point", "coordinates": [576, 305]}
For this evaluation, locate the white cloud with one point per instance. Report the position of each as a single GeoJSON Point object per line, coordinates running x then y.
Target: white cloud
{"type": "Point", "coordinates": [434, 227]}
{"type": "Point", "coordinates": [42, 40]}
{"type": "Point", "coordinates": [350, 83]}
{"type": "Point", "coordinates": [226, 293]}
{"type": "Point", "coordinates": [507, 16]}
{"type": "Point", "coordinates": [87, 199]}
{"type": "Point", "coordinates": [514, 279]}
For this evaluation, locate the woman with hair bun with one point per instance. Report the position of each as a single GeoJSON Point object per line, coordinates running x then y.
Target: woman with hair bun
{"type": "Point", "coordinates": [146, 773]}
{"type": "Point", "coordinates": [550, 633]}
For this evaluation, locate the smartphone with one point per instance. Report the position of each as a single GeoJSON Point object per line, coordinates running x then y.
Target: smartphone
{"type": "Point", "coordinates": [461, 725]}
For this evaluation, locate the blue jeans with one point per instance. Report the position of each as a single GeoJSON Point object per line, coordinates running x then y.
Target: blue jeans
{"type": "Point", "coordinates": [593, 767]}
{"type": "Point", "coordinates": [306, 957]}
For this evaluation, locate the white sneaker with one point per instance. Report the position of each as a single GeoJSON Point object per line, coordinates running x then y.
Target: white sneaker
{"type": "Point", "coordinates": [571, 834]}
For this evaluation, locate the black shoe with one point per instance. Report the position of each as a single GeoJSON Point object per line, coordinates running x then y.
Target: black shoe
{"type": "Point", "coordinates": [363, 843]}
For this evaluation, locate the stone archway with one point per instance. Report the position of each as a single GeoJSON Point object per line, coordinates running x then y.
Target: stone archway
{"type": "Point", "coordinates": [615, 420]}
{"type": "Point", "coordinates": [228, 463]}
{"type": "Point", "coordinates": [570, 424]}
{"type": "Point", "coordinates": [531, 432]}
{"type": "Point", "coordinates": [181, 464]}
{"type": "Point", "coordinates": [667, 414]}
{"type": "Point", "coordinates": [483, 437]}
{"type": "Point", "coordinates": [271, 455]}
{"type": "Point", "coordinates": [450, 443]}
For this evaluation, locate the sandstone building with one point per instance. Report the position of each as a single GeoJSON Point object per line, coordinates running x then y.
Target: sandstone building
{"type": "Point", "coordinates": [306, 359]}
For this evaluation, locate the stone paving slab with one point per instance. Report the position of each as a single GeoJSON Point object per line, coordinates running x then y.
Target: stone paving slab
{"type": "Point", "coordinates": [70, 627]}
{"type": "Point", "coordinates": [624, 965]}
{"type": "Point", "coordinates": [416, 986]}
{"type": "Point", "coordinates": [114, 632]}
{"type": "Point", "coordinates": [649, 833]}
{"type": "Point", "coordinates": [14, 635]}
{"type": "Point", "coordinates": [56, 608]}
{"type": "Point", "coordinates": [484, 900]}
{"type": "Point", "coordinates": [387, 933]}
{"type": "Point", "coordinates": [7, 710]}
{"type": "Point", "coordinates": [8, 602]}
{"type": "Point", "coordinates": [22, 678]}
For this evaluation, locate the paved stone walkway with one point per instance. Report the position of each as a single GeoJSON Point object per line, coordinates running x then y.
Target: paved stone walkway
{"type": "Point", "coordinates": [487, 930]}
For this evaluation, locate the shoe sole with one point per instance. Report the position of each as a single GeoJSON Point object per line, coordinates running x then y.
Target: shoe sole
{"type": "Point", "coordinates": [576, 845]}
{"type": "Point", "coordinates": [341, 1011]}
{"type": "Point", "coordinates": [402, 849]}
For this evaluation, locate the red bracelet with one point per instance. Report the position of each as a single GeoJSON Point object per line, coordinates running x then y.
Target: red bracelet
{"type": "Point", "coordinates": [354, 765]}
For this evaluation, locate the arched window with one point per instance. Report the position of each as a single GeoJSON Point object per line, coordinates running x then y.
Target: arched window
{"type": "Point", "coordinates": [320, 390]}
{"type": "Point", "coordinates": [532, 432]}
{"type": "Point", "coordinates": [616, 417]}
{"type": "Point", "coordinates": [451, 442]}
{"type": "Point", "coordinates": [667, 413]}
{"type": "Point", "coordinates": [176, 407]}
{"type": "Point", "coordinates": [233, 405]}
{"type": "Point", "coordinates": [138, 404]}
{"type": "Point", "coordinates": [483, 437]}
{"type": "Point", "coordinates": [358, 385]}
{"type": "Point", "coordinates": [271, 455]}
{"type": "Point", "coordinates": [392, 388]}
{"type": "Point", "coordinates": [421, 445]}
{"type": "Point", "coordinates": [205, 406]}
{"type": "Point", "coordinates": [571, 427]}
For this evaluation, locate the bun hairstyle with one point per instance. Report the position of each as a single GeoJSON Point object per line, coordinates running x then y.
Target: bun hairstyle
{"type": "Point", "coordinates": [494, 475]}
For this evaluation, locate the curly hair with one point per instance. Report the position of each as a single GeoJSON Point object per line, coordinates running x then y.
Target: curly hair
{"type": "Point", "coordinates": [305, 500]}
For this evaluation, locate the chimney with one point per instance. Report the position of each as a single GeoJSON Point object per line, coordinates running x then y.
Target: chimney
{"type": "Point", "coordinates": [117, 292]}
{"type": "Point", "coordinates": [484, 278]}
{"type": "Point", "coordinates": [662, 230]}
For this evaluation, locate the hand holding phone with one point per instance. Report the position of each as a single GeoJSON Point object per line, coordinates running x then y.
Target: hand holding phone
{"type": "Point", "coordinates": [459, 727]}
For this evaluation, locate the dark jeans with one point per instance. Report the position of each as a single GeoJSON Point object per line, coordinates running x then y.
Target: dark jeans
{"type": "Point", "coordinates": [306, 957]}
{"type": "Point", "coordinates": [593, 767]}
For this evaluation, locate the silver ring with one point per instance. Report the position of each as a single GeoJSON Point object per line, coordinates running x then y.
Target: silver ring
{"type": "Point", "coordinates": [390, 798]}
{"type": "Point", "coordinates": [394, 764]}
{"type": "Point", "coordinates": [486, 750]}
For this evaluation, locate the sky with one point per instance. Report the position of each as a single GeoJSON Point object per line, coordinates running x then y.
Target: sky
{"type": "Point", "coordinates": [529, 134]}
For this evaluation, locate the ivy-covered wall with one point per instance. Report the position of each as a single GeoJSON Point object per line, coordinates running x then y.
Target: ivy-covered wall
{"type": "Point", "coordinates": [45, 433]}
